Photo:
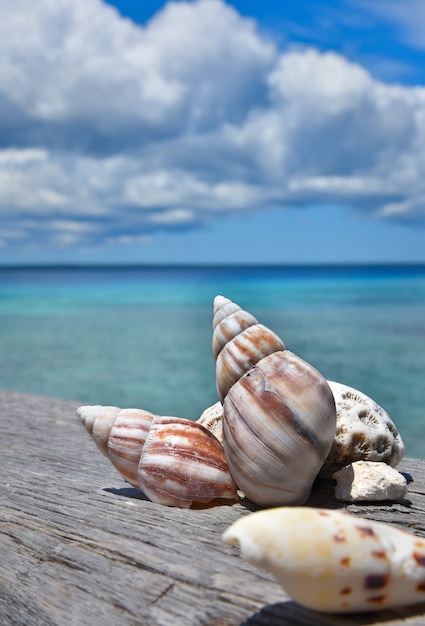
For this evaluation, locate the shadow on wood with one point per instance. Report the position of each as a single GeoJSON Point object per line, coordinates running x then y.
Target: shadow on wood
{"type": "Point", "coordinates": [290, 614]}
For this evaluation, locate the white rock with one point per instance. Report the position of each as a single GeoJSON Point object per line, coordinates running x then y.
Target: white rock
{"type": "Point", "coordinates": [364, 431]}
{"type": "Point", "coordinates": [365, 480]}
{"type": "Point", "coordinates": [212, 418]}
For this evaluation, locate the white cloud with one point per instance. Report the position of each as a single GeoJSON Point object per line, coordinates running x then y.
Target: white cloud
{"type": "Point", "coordinates": [172, 217]}
{"type": "Point", "coordinates": [109, 130]}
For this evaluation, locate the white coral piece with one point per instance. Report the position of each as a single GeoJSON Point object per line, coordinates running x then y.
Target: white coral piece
{"type": "Point", "coordinates": [364, 431]}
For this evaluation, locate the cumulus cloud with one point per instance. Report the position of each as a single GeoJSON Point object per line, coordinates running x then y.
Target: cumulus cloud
{"type": "Point", "coordinates": [110, 131]}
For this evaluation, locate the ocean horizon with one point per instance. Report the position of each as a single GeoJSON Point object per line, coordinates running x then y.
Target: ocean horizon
{"type": "Point", "coordinates": [140, 335]}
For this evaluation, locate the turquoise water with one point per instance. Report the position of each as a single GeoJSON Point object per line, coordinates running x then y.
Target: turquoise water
{"type": "Point", "coordinates": [142, 336]}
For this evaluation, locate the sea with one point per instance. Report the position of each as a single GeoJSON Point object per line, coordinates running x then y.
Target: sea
{"type": "Point", "coordinates": [136, 336]}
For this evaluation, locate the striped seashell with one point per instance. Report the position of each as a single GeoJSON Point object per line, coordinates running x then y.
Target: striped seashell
{"type": "Point", "coordinates": [174, 461]}
{"type": "Point", "coordinates": [98, 421]}
{"type": "Point", "coordinates": [279, 412]}
{"type": "Point", "coordinates": [333, 561]}
{"type": "Point", "coordinates": [183, 463]}
{"type": "Point", "coordinates": [126, 441]}
{"type": "Point", "coordinates": [239, 342]}
{"type": "Point", "coordinates": [120, 434]}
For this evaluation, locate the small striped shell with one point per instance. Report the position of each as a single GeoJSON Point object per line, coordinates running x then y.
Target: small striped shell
{"type": "Point", "coordinates": [174, 461]}
{"type": "Point", "coordinates": [332, 561]}
{"type": "Point", "coordinates": [279, 412]}
{"type": "Point", "coordinates": [183, 463]}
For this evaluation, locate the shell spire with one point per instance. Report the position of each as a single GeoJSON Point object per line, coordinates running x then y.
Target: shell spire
{"type": "Point", "coordinates": [239, 342]}
{"type": "Point", "coordinates": [333, 561]}
{"type": "Point", "coordinates": [98, 421]}
{"type": "Point", "coordinates": [279, 412]}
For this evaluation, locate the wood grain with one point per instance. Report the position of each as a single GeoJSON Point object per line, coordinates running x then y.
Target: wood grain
{"type": "Point", "coordinates": [78, 546]}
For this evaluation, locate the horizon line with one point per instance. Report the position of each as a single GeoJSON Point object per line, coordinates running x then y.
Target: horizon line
{"type": "Point", "coordinates": [214, 265]}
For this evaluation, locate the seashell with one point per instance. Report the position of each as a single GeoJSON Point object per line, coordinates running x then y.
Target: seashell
{"type": "Point", "coordinates": [279, 412]}
{"type": "Point", "coordinates": [98, 421]}
{"type": "Point", "coordinates": [364, 431]}
{"type": "Point", "coordinates": [333, 561]}
{"type": "Point", "coordinates": [239, 342]}
{"type": "Point", "coordinates": [364, 481]}
{"type": "Point", "coordinates": [212, 419]}
{"type": "Point", "coordinates": [183, 463]}
{"type": "Point", "coordinates": [126, 442]}
{"type": "Point", "coordinates": [174, 461]}
{"type": "Point", "coordinates": [120, 434]}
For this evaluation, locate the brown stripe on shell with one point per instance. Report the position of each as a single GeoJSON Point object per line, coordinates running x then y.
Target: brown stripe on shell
{"type": "Point", "coordinates": [239, 355]}
{"type": "Point", "coordinates": [421, 586]}
{"type": "Point", "coordinates": [230, 327]}
{"type": "Point", "coordinates": [182, 463]}
{"type": "Point", "coordinates": [222, 308]}
{"type": "Point", "coordinates": [126, 441]}
{"type": "Point", "coordinates": [119, 442]}
{"type": "Point", "coordinates": [192, 489]}
{"type": "Point", "coordinates": [273, 455]}
{"type": "Point", "coordinates": [98, 421]}
{"type": "Point", "coordinates": [197, 447]}
{"type": "Point", "coordinates": [271, 419]}
{"type": "Point", "coordinates": [261, 441]}
{"type": "Point", "coordinates": [306, 393]}
{"type": "Point", "coordinates": [263, 457]}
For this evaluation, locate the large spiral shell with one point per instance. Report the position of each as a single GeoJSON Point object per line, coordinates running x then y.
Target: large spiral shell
{"type": "Point", "coordinates": [279, 412]}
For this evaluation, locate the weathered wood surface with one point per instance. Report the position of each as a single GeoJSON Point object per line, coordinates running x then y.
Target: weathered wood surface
{"type": "Point", "coordinates": [77, 546]}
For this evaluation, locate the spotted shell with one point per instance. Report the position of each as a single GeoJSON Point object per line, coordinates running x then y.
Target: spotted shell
{"type": "Point", "coordinates": [279, 412]}
{"type": "Point", "coordinates": [333, 561]}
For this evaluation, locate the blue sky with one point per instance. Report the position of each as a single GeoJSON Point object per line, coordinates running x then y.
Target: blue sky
{"type": "Point", "coordinates": [212, 132]}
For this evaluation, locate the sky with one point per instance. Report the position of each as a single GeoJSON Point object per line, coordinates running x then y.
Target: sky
{"type": "Point", "coordinates": [207, 131]}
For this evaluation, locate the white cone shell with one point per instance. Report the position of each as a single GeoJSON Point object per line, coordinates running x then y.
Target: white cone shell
{"type": "Point", "coordinates": [332, 561]}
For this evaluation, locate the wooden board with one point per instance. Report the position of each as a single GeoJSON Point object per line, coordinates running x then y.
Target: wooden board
{"type": "Point", "coordinates": [78, 546]}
